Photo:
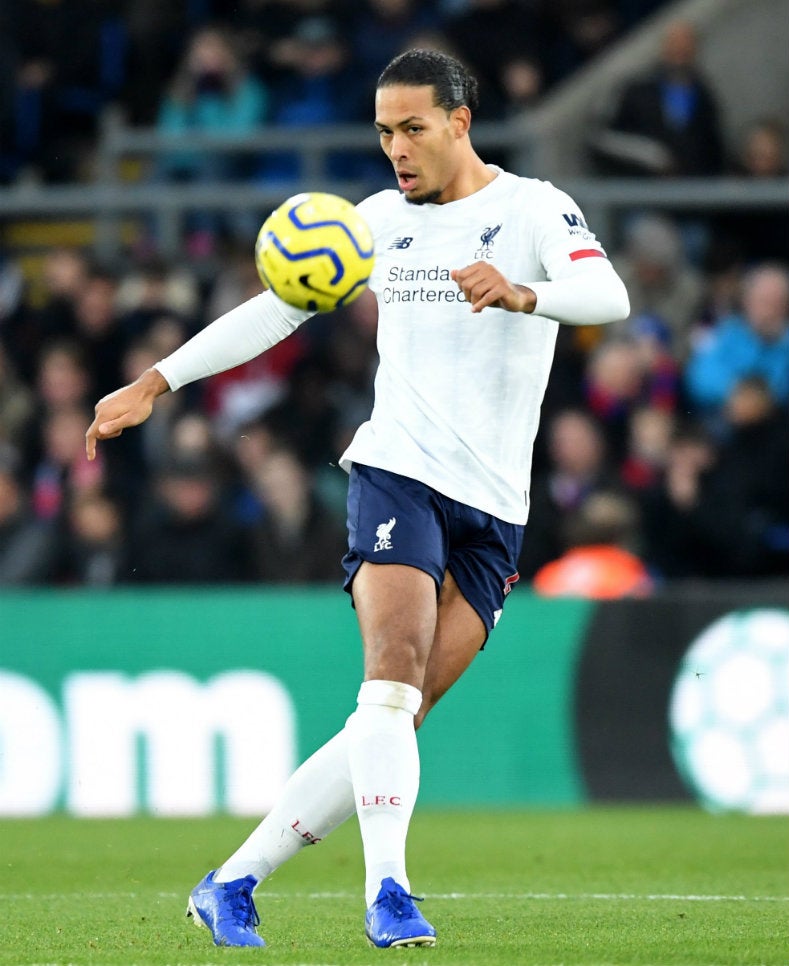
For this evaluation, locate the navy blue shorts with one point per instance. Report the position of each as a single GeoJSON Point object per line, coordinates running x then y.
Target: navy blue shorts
{"type": "Point", "coordinates": [394, 519]}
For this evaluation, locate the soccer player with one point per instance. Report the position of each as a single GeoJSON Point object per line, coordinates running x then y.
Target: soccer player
{"type": "Point", "coordinates": [475, 268]}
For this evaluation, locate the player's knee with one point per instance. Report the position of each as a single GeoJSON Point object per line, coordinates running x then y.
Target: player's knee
{"type": "Point", "coordinates": [390, 694]}
{"type": "Point", "coordinates": [427, 704]}
{"type": "Point", "coordinates": [404, 660]}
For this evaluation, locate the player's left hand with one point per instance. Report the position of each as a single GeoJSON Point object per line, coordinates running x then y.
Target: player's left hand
{"type": "Point", "coordinates": [483, 285]}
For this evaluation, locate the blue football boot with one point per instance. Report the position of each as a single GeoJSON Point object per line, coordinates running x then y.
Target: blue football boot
{"type": "Point", "coordinates": [227, 909]}
{"type": "Point", "coordinates": [394, 920]}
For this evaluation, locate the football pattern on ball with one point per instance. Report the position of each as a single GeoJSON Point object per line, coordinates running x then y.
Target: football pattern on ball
{"type": "Point", "coordinates": [315, 251]}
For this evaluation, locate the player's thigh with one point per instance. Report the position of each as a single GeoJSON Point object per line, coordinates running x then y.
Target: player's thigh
{"type": "Point", "coordinates": [397, 555]}
{"type": "Point", "coordinates": [396, 608]}
{"type": "Point", "coordinates": [480, 574]}
{"type": "Point", "coordinates": [459, 636]}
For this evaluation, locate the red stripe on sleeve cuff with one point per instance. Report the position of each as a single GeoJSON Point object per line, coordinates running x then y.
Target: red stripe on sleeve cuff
{"type": "Point", "coordinates": [586, 253]}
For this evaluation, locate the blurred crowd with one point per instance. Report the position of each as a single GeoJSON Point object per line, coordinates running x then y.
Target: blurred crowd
{"type": "Point", "coordinates": [664, 443]}
{"type": "Point", "coordinates": [664, 438]}
{"type": "Point", "coordinates": [230, 68]}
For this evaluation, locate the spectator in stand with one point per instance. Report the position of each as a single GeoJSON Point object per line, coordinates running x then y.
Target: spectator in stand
{"type": "Point", "coordinates": [317, 85]}
{"type": "Point", "coordinates": [577, 467]}
{"type": "Point", "coordinates": [62, 381]}
{"type": "Point", "coordinates": [315, 66]}
{"type": "Point", "coordinates": [723, 277]}
{"type": "Point", "coordinates": [63, 471]}
{"type": "Point", "coordinates": [665, 124]}
{"type": "Point", "coordinates": [71, 63]}
{"type": "Point", "coordinates": [352, 357]}
{"type": "Point", "coordinates": [659, 279]}
{"type": "Point", "coordinates": [763, 150]}
{"type": "Point", "coordinates": [754, 343]}
{"type": "Point", "coordinates": [80, 309]}
{"type": "Point", "coordinates": [523, 82]}
{"type": "Point", "coordinates": [650, 431]}
{"type": "Point", "coordinates": [577, 31]}
{"type": "Point", "coordinates": [93, 545]}
{"type": "Point", "coordinates": [661, 372]}
{"type": "Point", "coordinates": [296, 540]}
{"type": "Point", "coordinates": [166, 333]}
{"type": "Point", "coordinates": [28, 545]}
{"type": "Point", "coordinates": [680, 522]}
{"type": "Point", "coordinates": [266, 28]}
{"type": "Point", "coordinates": [613, 387]}
{"type": "Point", "coordinates": [235, 280]}
{"type": "Point", "coordinates": [65, 274]}
{"type": "Point", "coordinates": [760, 234]}
{"type": "Point", "coordinates": [184, 534]}
{"type": "Point", "coordinates": [382, 29]}
{"type": "Point", "coordinates": [599, 561]}
{"type": "Point", "coordinates": [250, 447]}
{"type": "Point", "coordinates": [750, 481]}
{"type": "Point", "coordinates": [724, 511]}
{"type": "Point", "coordinates": [17, 405]}
{"type": "Point", "coordinates": [212, 93]}
{"type": "Point", "coordinates": [99, 330]}
{"type": "Point", "coordinates": [625, 373]}
{"type": "Point", "coordinates": [62, 277]}
{"type": "Point", "coordinates": [62, 376]}
{"type": "Point", "coordinates": [153, 289]}
{"type": "Point", "coordinates": [497, 38]}
{"type": "Point", "coordinates": [156, 33]}
{"type": "Point", "coordinates": [193, 441]}
{"type": "Point", "coordinates": [307, 417]}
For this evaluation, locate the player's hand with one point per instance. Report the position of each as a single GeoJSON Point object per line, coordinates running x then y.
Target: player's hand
{"type": "Point", "coordinates": [128, 406]}
{"type": "Point", "coordinates": [483, 285]}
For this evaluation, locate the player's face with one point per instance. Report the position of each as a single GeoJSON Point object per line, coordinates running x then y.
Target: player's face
{"type": "Point", "coordinates": [422, 141]}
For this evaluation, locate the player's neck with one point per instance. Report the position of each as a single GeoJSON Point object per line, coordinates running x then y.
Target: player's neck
{"type": "Point", "coordinates": [471, 178]}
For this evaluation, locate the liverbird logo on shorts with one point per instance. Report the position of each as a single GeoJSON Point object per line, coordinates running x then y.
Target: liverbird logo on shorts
{"type": "Point", "coordinates": [384, 534]}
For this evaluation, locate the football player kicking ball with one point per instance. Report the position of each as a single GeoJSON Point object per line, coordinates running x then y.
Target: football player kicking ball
{"type": "Point", "coordinates": [475, 268]}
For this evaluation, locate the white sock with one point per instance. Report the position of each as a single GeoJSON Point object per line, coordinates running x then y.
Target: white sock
{"type": "Point", "coordinates": [317, 798]}
{"type": "Point", "coordinates": [384, 765]}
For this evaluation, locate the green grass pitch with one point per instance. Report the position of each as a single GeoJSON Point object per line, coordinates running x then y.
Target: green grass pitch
{"type": "Point", "coordinates": [578, 888]}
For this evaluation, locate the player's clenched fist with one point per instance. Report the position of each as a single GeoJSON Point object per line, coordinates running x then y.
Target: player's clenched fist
{"type": "Point", "coordinates": [484, 285]}
{"type": "Point", "coordinates": [128, 406]}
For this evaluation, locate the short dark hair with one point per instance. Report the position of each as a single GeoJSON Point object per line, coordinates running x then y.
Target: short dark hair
{"type": "Point", "coordinates": [453, 85]}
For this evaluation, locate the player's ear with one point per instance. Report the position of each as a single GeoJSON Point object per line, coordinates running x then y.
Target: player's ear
{"type": "Point", "coordinates": [460, 119]}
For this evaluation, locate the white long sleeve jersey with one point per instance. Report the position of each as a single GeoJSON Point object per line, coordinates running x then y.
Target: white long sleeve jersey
{"type": "Point", "coordinates": [457, 395]}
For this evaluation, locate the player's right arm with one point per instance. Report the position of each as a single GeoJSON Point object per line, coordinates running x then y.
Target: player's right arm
{"type": "Point", "coordinates": [234, 338]}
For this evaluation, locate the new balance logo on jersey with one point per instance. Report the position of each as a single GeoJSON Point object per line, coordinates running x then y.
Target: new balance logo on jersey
{"type": "Point", "coordinates": [486, 238]}
{"type": "Point", "coordinates": [403, 242]}
{"type": "Point", "coordinates": [384, 534]}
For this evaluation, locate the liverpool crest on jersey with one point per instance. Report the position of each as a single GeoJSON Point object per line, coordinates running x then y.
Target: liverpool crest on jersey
{"type": "Point", "coordinates": [488, 235]}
